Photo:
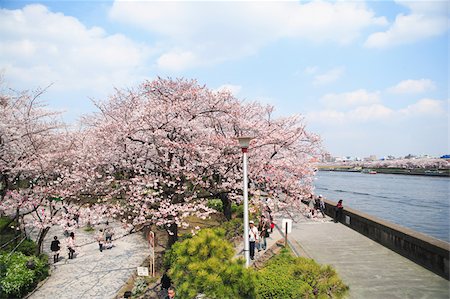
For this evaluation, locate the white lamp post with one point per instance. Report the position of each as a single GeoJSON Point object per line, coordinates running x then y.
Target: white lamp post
{"type": "Point", "coordinates": [244, 143]}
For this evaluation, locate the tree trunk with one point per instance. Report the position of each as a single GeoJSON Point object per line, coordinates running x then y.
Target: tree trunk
{"type": "Point", "coordinates": [226, 204]}
{"type": "Point", "coordinates": [40, 240]}
{"type": "Point", "coordinates": [172, 232]}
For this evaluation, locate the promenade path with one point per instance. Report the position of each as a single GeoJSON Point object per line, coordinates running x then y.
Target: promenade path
{"type": "Point", "coordinates": [370, 269]}
{"type": "Point", "coordinates": [92, 274]}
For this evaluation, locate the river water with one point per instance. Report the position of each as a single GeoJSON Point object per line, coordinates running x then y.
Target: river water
{"type": "Point", "coordinates": [421, 203]}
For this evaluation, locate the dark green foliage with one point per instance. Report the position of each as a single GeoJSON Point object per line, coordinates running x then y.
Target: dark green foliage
{"type": "Point", "coordinates": [16, 279]}
{"type": "Point", "coordinates": [233, 228]}
{"type": "Point", "coordinates": [3, 222]}
{"type": "Point", "coordinates": [237, 210]}
{"type": "Point", "coordinates": [204, 264]}
{"type": "Point", "coordinates": [215, 204]}
{"type": "Point", "coordinates": [285, 276]}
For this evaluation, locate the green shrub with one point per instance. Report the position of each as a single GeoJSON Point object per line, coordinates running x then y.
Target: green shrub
{"type": "Point", "coordinates": [215, 204]}
{"type": "Point", "coordinates": [3, 222]}
{"type": "Point", "coordinates": [285, 276]}
{"type": "Point", "coordinates": [140, 286]}
{"type": "Point", "coordinates": [237, 210]}
{"type": "Point", "coordinates": [27, 247]}
{"type": "Point", "coordinates": [16, 278]}
{"type": "Point", "coordinates": [205, 264]}
{"type": "Point", "coordinates": [233, 228]}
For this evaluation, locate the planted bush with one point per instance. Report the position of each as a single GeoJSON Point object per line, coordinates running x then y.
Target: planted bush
{"type": "Point", "coordinates": [215, 204]}
{"type": "Point", "coordinates": [204, 264]}
{"type": "Point", "coordinates": [285, 276]}
{"type": "Point", "coordinates": [20, 273]}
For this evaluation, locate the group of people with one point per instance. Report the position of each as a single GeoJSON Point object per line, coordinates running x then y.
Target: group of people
{"type": "Point", "coordinates": [316, 205]}
{"type": "Point", "coordinates": [55, 247]}
{"type": "Point", "coordinates": [103, 237]}
{"type": "Point", "coordinates": [258, 234]}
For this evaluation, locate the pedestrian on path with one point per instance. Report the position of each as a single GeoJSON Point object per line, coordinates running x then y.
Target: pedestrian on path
{"type": "Point", "coordinates": [263, 230]}
{"type": "Point", "coordinates": [171, 293]}
{"type": "Point", "coordinates": [253, 237]}
{"type": "Point", "coordinates": [55, 248]}
{"type": "Point", "coordinates": [71, 245]}
{"type": "Point", "coordinates": [338, 211]}
{"type": "Point", "coordinates": [322, 205]}
{"type": "Point", "coordinates": [100, 239]}
{"type": "Point", "coordinates": [166, 283]}
{"type": "Point", "coordinates": [108, 237]}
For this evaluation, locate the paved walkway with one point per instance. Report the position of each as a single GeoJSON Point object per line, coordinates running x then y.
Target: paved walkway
{"type": "Point", "coordinates": [92, 274]}
{"type": "Point", "coordinates": [370, 269]}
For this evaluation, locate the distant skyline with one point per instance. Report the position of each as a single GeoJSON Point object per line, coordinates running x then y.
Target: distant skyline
{"type": "Point", "coordinates": [370, 77]}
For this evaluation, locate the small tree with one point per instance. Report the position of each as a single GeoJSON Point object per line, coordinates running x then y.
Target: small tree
{"type": "Point", "coordinates": [204, 264]}
{"type": "Point", "coordinates": [285, 276]}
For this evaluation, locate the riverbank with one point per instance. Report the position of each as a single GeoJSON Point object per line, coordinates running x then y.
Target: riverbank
{"type": "Point", "coordinates": [374, 170]}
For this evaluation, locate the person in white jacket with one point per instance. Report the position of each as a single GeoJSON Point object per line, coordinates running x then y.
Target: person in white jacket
{"type": "Point", "coordinates": [253, 237]}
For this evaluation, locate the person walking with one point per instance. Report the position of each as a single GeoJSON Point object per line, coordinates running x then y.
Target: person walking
{"type": "Point", "coordinates": [322, 205]}
{"type": "Point", "coordinates": [108, 237]}
{"type": "Point", "coordinates": [71, 245]}
{"type": "Point", "coordinates": [253, 237]}
{"type": "Point", "coordinates": [166, 283]}
{"type": "Point", "coordinates": [263, 229]}
{"type": "Point", "coordinates": [100, 239]}
{"type": "Point", "coordinates": [170, 293]}
{"type": "Point", "coordinates": [338, 211]}
{"type": "Point", "coordinates": [55, 247]}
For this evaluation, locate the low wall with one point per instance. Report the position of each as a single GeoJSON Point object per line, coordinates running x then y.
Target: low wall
{"type": "Point", "coordinates": [426, 251]}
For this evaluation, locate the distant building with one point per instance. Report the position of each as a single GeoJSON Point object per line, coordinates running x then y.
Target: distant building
{"type": "Point", "coordinates": [446, 157]}
{"type": "Point", "coordinates": [328, 158]}
{"type": "Point", "coordinates": [410, 156]}
{"type": "Point", "coordinates": [370, 158]}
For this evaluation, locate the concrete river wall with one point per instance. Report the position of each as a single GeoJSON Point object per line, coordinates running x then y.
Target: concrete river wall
{"type": "Point", "coordinates": [426, 251]}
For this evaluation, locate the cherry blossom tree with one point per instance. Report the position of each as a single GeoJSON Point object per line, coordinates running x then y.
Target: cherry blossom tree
{"type": "Point", "coordinates": [39, 179]}
{"type": "Point", "coordinates": [167, 146]}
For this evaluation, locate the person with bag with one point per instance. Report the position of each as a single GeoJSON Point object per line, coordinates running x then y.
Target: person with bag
{"type": "Point", "coordinates": [54, 247]}
{"type": "Point", "coordinates": [253, 237]}
{"type": "Point", "coordinates": [263, 229]}
{"type": "Point", "coordinates": [71, 245]}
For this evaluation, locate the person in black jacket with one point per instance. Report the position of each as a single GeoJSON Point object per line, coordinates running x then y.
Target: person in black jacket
{"type": "Point", "coordinates": [54, 247]}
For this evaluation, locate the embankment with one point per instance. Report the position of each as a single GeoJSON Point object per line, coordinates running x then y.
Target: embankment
{"type": "Point", "coordinates": [426, 251]}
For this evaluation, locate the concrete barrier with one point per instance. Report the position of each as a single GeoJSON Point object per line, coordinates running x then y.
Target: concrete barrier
{"type": "Point", "coordinates": [424, 250]}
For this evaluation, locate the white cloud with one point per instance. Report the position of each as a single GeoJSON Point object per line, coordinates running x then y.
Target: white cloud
{"type": "Point", "coordinates": [413, 86]}
{"type": "Point", "coordinates": [427, 19]}
{"type": "Point", "coordinates": [234, 89]}
{"type": "Point", "coordinates": [375, 112]}
{"type": "Point", "coordinates": [329, 76]}
{"type": "Point", "coordinates": [177, 61]}
{"type": "Point", "coordinates": [221, 31]}
{"type": "Point", "coordinates": [369, 110]}
{"type": "Point", "coordinates": [326, 117]}
{"type": "Point", "coordinates": [40, 47]}
{"type": "Point", "coordinates": [424, 107]}
{"type": "Point", "coordinates": [360, 97]}
{"type": "Point", "coordinates": [370, 113]}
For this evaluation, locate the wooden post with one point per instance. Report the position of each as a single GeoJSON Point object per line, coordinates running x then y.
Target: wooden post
{"type": "Point", "coordinates": [285, 234]}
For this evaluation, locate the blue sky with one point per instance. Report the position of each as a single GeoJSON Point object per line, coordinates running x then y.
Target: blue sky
{"type": "Point", "coordinates": [369, 77]}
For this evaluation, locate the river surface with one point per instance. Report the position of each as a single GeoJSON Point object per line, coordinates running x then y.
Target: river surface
{"type": "Point", "coordinates": [420, 203]}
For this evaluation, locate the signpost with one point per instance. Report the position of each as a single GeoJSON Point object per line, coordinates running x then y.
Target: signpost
{"type": "Point", "coordinates": [287, 226]}
{"type": "Point", "coordinates": [151, 244]}
{"type": "Point", "coordinates": [142, 271]}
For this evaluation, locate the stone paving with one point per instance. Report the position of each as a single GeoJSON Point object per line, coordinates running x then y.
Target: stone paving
{"type": "Point", "coordinates": [370, 269]}
{"type": "Point", "coordinates": [92, 274]}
